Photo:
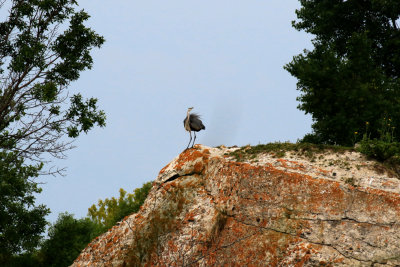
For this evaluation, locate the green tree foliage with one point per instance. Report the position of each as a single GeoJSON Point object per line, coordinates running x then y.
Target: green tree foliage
{"type": "Point", "coordinates": [352, 75]}
{"type": "Point", "coordinates": [37, 65]}
{"type": "Point", "coordinates": [67, 238]}
{"type": "Point", "coordinates": [110, 211]}
{"type": "Point", "coordinates": [21, 222]}
{"type": "Point", "coordinates": [38, 61]}
{"type": "Point", "coordinates": [26, 259]}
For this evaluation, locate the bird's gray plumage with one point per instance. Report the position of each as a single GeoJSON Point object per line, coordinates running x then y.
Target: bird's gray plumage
{"type": "Point", "coordinates": [193, 123]}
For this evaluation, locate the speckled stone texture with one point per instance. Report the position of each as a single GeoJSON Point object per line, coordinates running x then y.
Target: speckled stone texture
{"type": "Point", "coordinates": [205, 209]}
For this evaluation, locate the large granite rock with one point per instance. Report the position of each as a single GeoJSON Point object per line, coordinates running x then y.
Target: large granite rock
{"type": "Point", "coordinates": [206, 209]}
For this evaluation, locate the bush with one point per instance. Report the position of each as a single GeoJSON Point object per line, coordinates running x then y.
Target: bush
{"type": "Point", "coordinates": [379, 149]}
{"type": "Point", "coordinates": [311, 138]}
{"type": "Point", "coordinates": [384, 147]}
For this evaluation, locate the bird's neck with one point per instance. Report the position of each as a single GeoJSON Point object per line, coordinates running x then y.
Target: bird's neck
{"type": "Point", "coordinates": [187, 122]}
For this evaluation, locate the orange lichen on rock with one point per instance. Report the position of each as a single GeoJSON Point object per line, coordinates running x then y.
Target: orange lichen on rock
{"type": "Point", "coordinates": [189, 155]}
{"type": "Point", "coordinates": [163, 169]}
{"type": "Point", "coordinates": [324, 172]}
{"type": "Point", "coordinates": [198, 167]}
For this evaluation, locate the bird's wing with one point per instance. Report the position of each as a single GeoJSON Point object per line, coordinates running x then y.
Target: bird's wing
{"type": "Point", "coordinates": [195, 123]}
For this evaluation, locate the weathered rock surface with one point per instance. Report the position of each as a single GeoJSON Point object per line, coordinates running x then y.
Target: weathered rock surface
{"type": "Point", "coordinates": [205, 209]}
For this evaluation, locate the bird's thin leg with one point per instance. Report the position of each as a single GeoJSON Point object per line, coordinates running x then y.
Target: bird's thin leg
{"type": "Point", "coordinates": [194, 138]}
{"type": "Point", "coordinates": [189, 140]}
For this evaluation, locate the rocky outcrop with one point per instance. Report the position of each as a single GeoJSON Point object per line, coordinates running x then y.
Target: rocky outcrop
{"type": "Point", "coordinates": [206, 209]}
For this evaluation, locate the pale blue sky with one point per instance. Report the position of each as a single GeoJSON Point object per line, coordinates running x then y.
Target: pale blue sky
{"type": "Point", "coordinates": [224, 58]}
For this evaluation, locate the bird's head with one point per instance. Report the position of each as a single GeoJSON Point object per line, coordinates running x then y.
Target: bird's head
{"type": "Point", "coordinates": [190, 109]}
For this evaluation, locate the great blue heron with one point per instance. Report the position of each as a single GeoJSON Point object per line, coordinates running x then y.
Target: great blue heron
{"type": "Point", "coordinates": [193, 123]}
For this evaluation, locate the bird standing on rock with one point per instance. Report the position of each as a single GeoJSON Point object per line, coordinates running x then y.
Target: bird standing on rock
{"type": "Point", "coordinates": [193, 123]}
